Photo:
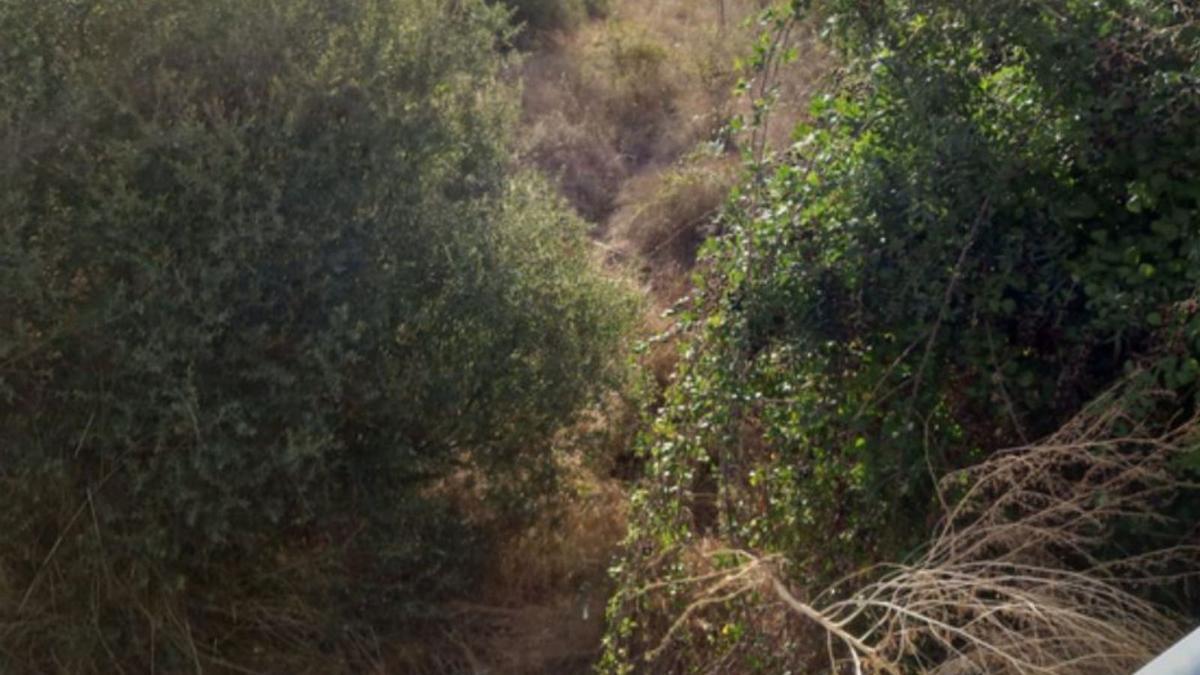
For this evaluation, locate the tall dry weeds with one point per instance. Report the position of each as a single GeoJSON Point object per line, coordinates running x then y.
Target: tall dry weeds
{"type": "Point", "coordinates": [619, 101]}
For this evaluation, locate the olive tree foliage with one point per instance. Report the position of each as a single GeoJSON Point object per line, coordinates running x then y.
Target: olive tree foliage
{"type": "Point", "coordinates": [266, 268]}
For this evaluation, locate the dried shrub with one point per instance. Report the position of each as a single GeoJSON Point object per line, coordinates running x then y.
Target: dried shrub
{"type": "Point", "coordinates": [666, 216]}
{"type": "Point", "coordinates": [1019, 577]}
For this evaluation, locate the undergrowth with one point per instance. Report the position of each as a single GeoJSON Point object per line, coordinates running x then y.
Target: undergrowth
{"type": "Point", "coordinates": [271, 279]}
{"type": "Point", "coordinates": [649, 91]}
{"type": "Point", "coordinates": [988, 220]}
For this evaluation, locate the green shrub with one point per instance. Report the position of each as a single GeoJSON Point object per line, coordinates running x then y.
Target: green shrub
{"type": "Point", "coordinates": [267, 280]}
{"type": "Point", "coordinates": [991, 221]}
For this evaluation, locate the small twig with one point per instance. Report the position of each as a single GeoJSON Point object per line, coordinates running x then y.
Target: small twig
{"type": "Point", "coordinates": [856, 646]}
{"type": "Point", "coordinates": [46, 561]}
{"type": "Point", "coordinates": [955, 275]}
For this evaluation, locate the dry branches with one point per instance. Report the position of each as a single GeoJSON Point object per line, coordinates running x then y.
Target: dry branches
{"type": "Point", "coordinates": [1019, 577]}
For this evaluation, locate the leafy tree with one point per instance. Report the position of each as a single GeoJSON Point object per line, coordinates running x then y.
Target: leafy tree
{"type": "Point", "coordinates": [268, 279]}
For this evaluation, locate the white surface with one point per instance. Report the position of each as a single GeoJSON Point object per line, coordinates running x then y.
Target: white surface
{"type": "Point", "coordinates": [1182, 659]}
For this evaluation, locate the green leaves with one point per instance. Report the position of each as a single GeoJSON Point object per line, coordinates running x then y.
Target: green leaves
{"type": "Point", "coordinates": [988, 223]}
{"type": "Point", "coordinates": [268, 275]}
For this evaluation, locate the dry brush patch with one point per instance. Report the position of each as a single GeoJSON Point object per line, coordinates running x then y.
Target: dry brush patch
{"type": "Point", "coordinates": [540, 604]}
{"type": "Point", "coordinates": [1019, 577]}
{"type": "Point", "coordinates": [632, 95]}
{"type": "Point", "coordinates": [663, 216]}
{"type": "Point", "coordinates": [631, 117]}
{"type": "Point", "coordinates": [74, 604]}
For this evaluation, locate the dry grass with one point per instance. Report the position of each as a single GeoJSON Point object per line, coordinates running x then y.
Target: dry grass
{"type": "Point", "coordinates": [662, 216]}
{"type": "Point", "coordinates": [614, 110]}
{"type": "Point", "coordinates": [71, 601]}
{"type": "Point", "coordinates": [629, 115]}
{"type": "Point", "coordinates": [608, 102]}
{"type": "Point", "coordinates": [540, 607]}
{"type": "Point", "coordinates": [85, 607]}
{"type": "Point", "coordinates": [630, 97]}
{"type": "Point", "coordinates": [1013, 581]}
{"type": "Point", "coordinates": [566, 547]}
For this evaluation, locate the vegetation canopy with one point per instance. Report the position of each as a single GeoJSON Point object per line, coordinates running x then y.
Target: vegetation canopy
{"type": "Point", "coordinates": [268, 278]}
{"type": "Point", "coordinates": [990, 218]}
{"type": "Point", "coordinates": [316, 335]}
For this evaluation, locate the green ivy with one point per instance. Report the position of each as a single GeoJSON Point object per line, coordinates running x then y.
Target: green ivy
{"type": "Point", "coordinates": [992, 217]}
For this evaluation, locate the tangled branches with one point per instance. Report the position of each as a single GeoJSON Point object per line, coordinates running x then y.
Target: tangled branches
{"type": "Point", "coordinates": [1020, 576]}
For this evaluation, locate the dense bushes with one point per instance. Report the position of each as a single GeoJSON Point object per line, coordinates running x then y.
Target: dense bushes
{"type": "Point", "coordinates": [267, 280]}
{"type": "Point", "coordinates": [990, 221]}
